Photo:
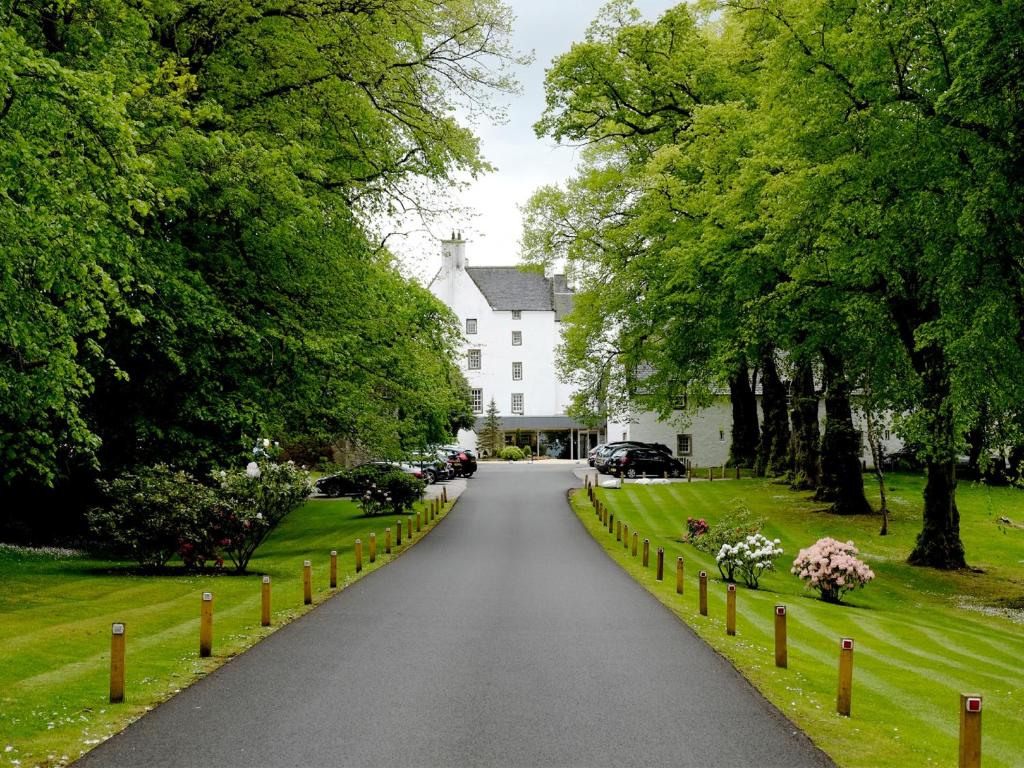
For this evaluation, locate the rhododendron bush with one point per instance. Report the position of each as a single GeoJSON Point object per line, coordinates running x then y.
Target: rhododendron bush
{"type": "Point", "coordinates": [749, 558]}
{"type": "Point", "coordinates": [832, 568]}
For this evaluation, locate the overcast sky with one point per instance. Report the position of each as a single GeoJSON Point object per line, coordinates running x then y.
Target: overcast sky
{"type": "Point", "coordinates": [524, 162]}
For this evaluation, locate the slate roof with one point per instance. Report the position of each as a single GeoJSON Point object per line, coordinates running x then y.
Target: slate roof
{"type": "Point", "coordinates": [512, 288]}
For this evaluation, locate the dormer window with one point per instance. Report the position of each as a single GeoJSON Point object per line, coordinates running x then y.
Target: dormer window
{"type": "Point", "coordinates": [517, 314]}
{"type": "Point", "coordinates": [470, 325]}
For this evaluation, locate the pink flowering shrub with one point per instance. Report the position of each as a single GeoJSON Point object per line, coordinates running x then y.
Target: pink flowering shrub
{"type": "Point", "coordinates": [695, 529]}
{"type": "Point", "coordinates": [831, 567]}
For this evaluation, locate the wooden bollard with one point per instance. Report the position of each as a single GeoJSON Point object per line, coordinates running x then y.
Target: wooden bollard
{"type": "Point", "coordinates": [206, 625]}
{"type": "Point", "coordinates": [636, 539]}
{"type": "Point", "coordinates": [611, 523]}
{"type": "Point", "coordinates": [845, 693]}
{"type": "Point", "coordinates": [334, 569]}
{"type": "Point", "coordinates": [689, 474]}
{"type": "Point", "coordinates": [781, 651]}
{"type": "Point", "coordinates": [661, 564]}
{"type": "Point", "coordinates": [417, 521]}
{"type": "Point", "coordinates": [730, 610]}
{"type": "Point", "coordinates": [680, 569]}
{"type": "Point", "coordinates": [307, 582]}
{"type": "Point", "coordinates": [359, 555]}
{"type": "Point", "coordinates": [625, 536]}
{"type": "Point", "coordinates": [408, 528]}
{"type": "Point", "coordinates": [373, 547]}
{"type": "Point", "coordinates": [647, 552]}
{"type": "Point", "coordinates": [618, 531]}
{"type": "Point", "coordinates": [116, 663]}
{"type": "Point", "coordinates": [398, 533]}
{"type": "Point", "coordinates": [711, 474]}
{"type": "Point", "coordinates": [265, 602]}
{"type": "Point", "coordinates": [703, 593]}
{"type": "Point", "coordinates": [723, 471]}
{"type": "Point", "coordinates": [387, 541]}
{"type": "Point", "coordinates": [737, 471]}
{"type": "Point", "coordinates": [970, 730]}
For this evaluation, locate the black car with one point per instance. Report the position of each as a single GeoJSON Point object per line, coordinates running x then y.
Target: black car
{"type": "Point", "coordinates": [352, 482]}
{"type": "Point", "coordinates": [638, 462]}
{"type": "Point", "coordinates": [603, 453]}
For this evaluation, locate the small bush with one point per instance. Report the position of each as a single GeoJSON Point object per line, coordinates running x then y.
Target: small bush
{"type": "Point", "coordinates": [749, 558]}
{"type": "Point", "coordinates": [393, 492]}
{"type": "Point", "coordinates": [831, 567]}
{"type": "Point", "coordinates": [153, 514]}
{"type": "Point", "coordinates": [512, 453]}
{"type": "Point", "coordinates": [695, 529]}
{"type": "Point", "coordinates": [734, 526]}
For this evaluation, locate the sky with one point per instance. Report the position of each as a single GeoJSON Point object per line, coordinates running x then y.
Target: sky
{"type": "Point", "coordinates": [523, 162]}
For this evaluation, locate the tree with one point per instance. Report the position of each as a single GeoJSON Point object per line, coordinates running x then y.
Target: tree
{"type": "Point", "coordinates": [491, 439]}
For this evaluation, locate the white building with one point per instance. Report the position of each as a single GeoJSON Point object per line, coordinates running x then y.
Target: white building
{"type": "Point", "coordinates": [511, 321]}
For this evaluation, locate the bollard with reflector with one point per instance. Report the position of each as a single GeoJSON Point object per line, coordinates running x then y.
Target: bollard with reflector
{"type": "Point", "coordinates": [647, 552]}
{"type": "Point", "coordinates": [206, 625]}
{"type": "Point", "coordinates": [408, 528]}
{"type": "Point", "coordinates": [730, 610]}
{"type": "Point", "coordinates": [265, 602]}
{"type": "Point", "coordinates": [611, 523]}
{"type": "Point", "coordinates": [625, 536]}
{"type": "Point", "coordinates": [661, 564]}
{"type": "Point", "coordinates": [636, 540]}
{"type": "Point", "coordinates": [359, 555]}
{"type": "Point", "coordinates": [307, 582]}
{"type": "Point", "coordinates": [845, 693]}
{"type": "Point", "coordinates": [116, 663]}
{"type": "Point", "coordinates": [970, 730]}
{"type": "Point", "coordinates": [398, 533]}
{"type": "Point", "coordinates": [417, 521]}
{"type": "Point", "coordinates": [781, 652]}
{"type": "Point", "coordinates": [703, 593]}
{"type": "Point", "coordinates": [680, 569]}
{"type": "Point", "coordinates": [387, 541]}
{"type": "Point", "coordinates": [373, 547]}
{"type": "Point", "coordinates": [334, 569]}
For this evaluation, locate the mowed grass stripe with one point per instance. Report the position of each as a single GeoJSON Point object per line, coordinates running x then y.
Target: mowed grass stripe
{"type": "Point", "coordinates": [916, 651]}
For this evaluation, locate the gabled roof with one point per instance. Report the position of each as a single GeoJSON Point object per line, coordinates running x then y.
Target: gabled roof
{"type": "Point", "coordinates": [512, 288]}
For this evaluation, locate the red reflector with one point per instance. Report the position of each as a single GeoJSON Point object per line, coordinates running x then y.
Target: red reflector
{"type": "Point", "coordinates": [780, 610]}
{"type": "Point", "coordinates": [847, 644]}
{"type": "Point", "coordinates": [974, 703]}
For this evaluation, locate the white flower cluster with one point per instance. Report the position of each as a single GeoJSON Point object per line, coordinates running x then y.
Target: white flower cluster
{"type": "Point", "coordinates": [749, 558]}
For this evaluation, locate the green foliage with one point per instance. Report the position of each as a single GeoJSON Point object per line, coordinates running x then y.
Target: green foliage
{"type": "Point", "coordinates": [512, 453]}
{"type": "Point", "coordinates": [392, 493]}
{"type": "Point", "coordinates": [252, 503]}
{"type": "Point", "coordinates": [153, 514]}
{"type": "Point", "coordinates": [491, 439]}
{"type": "Point", "coordinates": [730, 528]}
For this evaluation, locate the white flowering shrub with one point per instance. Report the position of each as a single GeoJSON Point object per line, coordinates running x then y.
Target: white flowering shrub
{"type": "Point", "coordinates": [748, 558]}
{"type": "Point", "coordinates": [832, 568]}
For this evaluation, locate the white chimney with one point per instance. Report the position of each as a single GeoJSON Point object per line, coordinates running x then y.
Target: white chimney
{"type": "Point", "coordinates": [453, 261]}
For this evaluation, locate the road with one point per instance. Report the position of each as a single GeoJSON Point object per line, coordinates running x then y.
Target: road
{"type": "Point", "coordinates": [505, 637]}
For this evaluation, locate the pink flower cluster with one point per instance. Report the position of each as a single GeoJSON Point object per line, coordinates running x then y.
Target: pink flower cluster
{"type": "Point", "coordinates": [831, 567]}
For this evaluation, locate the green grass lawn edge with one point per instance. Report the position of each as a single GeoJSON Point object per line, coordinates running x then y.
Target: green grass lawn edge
{"type": "Point", "coordinates": [909, 664]}
{"type": "Point", "coordinates": [56, 615]}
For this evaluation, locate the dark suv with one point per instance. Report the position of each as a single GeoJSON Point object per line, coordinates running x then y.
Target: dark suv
{"type": "Point", "coordinates": [461, 460]}
{"type": "Point", "coordinates": [637, 462]}
{"type": "Point", "coordinates": [603, 453]}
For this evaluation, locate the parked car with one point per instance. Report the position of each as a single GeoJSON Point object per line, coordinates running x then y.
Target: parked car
{"type": "Point", "coordinates": [461, 460]}
{"type": "Point", "coordinates": [637, 462]}
{"type": "Point", "coordinates": [434, 466]}
{"type": "Point", "coordinates": [603, 453]}
{"type": "Point", "coordinates": [354, 481]}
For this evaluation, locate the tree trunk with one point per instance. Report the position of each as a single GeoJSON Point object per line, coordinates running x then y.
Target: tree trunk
{"type": "Point", "coordinates": [841, 481]}
{"type": "Point", "coordinates": [938, 543]}
{"type": "Point", "coordinates": [875, 444]}
{"type": "Point", "coordinates": [743, 451]}
{"type": "Point", "coordinates": [806, 434]}
{"type": "Point", "coordinates": [773, 448]}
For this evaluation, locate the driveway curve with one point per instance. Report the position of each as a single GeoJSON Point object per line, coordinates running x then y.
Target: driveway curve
{"type": "Point", "coordinates": [505, 637]}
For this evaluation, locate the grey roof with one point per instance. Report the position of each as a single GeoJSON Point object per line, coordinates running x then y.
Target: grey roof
{"type": "Point", "coordinates": [533, 423]}
{"type": "Point", "coordinates": [512, 288]}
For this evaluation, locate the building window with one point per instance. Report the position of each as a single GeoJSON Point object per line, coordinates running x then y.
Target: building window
{"type": "Point", "coordinates": [517, 402]}
{"type": "Point", "coordinates": [477, 397]}
{"type": "Point", "coordinates": [474, 360]}
{"type": "Point", "coordinates": [684, 445]}
{"type": "Point", "coordinates": [517, 371]}
{"type": "Point", "coordinates": [517, 314]}
{"type": "Point", "coordinates": [470, 325]}
{"type": "Point", "coordinates": [517, 338]}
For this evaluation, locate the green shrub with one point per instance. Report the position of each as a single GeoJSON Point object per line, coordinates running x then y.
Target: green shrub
{"type": "Point", "coordinates": [153, 514]}
{"type": "Point", "coordinates": [393, 492]}
{"type": "Point", "coordinates": [512, 453]}
{"type": "Point", "coordinates": [251, 504]}
{"type": "Point", "coordinates": [730, 529]}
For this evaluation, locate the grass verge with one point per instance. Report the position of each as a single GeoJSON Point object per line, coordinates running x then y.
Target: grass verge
{"type": "Point", "coordinates": [922, 636]}
{"type": "Point", "coordinates": [56, 609]}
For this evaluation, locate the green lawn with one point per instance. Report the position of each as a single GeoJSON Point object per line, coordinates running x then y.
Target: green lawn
{"type": "Point", "coordinates": [56, 611]}
{"type": "Point", "coordinates": [922, 636]}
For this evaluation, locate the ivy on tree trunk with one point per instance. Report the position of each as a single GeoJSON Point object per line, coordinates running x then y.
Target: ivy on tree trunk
{"type": "Point", "coordinates": [743, 451]}
{"type": "Point", "coordinates": [806, 435]}
{"type": "Point", "coordinates": [773, 448]}
{"type": "Point", "coordinates": [841, 481]}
